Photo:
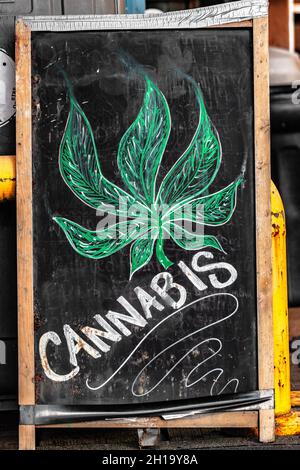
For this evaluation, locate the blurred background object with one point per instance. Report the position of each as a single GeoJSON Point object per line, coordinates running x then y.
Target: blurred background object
{"type": "Point", "coordinates": [285, 151]}
{"type": "Point", "coordinates": [180, 4]}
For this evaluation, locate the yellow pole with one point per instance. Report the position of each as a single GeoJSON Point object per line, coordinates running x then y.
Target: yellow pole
{"type": "Point", "coordinates": [280, 306]}
{"type": "Point", "coordinates": [7, 177]}
{"type": "Point", "coordinates": [287, 422]}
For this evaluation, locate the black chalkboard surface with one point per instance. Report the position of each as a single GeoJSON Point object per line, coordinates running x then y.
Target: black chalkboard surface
{"type": "Point", "coordinates": [160, 119]}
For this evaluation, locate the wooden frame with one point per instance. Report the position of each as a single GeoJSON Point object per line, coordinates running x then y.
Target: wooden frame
{"type": "Point", "coordinates": [261, 417]}
{"type": "Point", "coordinates": [234, 419]}
{"type": "Point", "coordinates": [24, 231]}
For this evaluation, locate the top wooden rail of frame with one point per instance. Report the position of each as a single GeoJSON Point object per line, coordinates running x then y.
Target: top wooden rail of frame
{"type": "Point", "coordinates": [233, 14]}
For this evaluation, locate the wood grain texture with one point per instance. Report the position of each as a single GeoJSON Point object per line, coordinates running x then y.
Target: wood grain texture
{"type": "Point", "coordinates": [232, 419]}
{"type": "Point", "coordinates": [266, 428]}
{"type": "Point", "coordinates": [24, 215]}
{"type": "Point", "coordinates": [263, 218]}
{"type": "Point", "coordinates": [26, 437]}
{"type": "Point", "coordinates": [263, 203]}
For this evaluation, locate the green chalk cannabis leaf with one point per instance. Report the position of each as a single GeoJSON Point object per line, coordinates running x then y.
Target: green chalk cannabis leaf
{"type": "Point", "coordinates": [153, 213]}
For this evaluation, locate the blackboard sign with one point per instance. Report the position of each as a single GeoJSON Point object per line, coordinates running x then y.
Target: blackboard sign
{"type": "Point", "coordinates": [144, 221]}
{"type": "Point", "coordinates": [161, 134]}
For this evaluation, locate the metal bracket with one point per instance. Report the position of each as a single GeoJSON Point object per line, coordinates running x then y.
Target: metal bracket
{"type": "Point", "coordinates": [151, 437]}
{"type": "Point", "coordinates": [27, 414]}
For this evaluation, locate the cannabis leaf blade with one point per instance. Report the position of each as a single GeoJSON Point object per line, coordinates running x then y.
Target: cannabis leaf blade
{"type": "Point", "coordinates": [197, 167]}
{"type": "Point", "coordinates": [180, 197]}
{"type": "Point", "coordinates": [214, 209]}
{"type": "Point", "coordinates": [141, 252]}
{"type": "Point", "coordinates": [160, 253]}
{"type": "Point", "coordinates": [80, 167]}
{"type": "Point", "coordinates": [99, 244]}
{"type": "Point", "coordinates": [192, 241]}
{"type": "Point", "coordinates": [143, 144]}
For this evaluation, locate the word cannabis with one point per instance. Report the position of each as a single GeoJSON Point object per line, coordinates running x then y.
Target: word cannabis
{"type": "Point", "coordinates": [163, 294]}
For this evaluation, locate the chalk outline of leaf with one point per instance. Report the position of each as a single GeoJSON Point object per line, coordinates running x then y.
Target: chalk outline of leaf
{"type": "Point", "coordinates": [140, 153]}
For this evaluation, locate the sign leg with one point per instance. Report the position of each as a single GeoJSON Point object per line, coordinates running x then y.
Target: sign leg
{"type": "Point", "coordinates": [266, 426]}
{"type": "Point", "coordinates": [26, 437]}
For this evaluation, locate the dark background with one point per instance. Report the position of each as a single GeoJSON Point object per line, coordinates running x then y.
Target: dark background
{"type": "Point", "coordinates": [71, 289]}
